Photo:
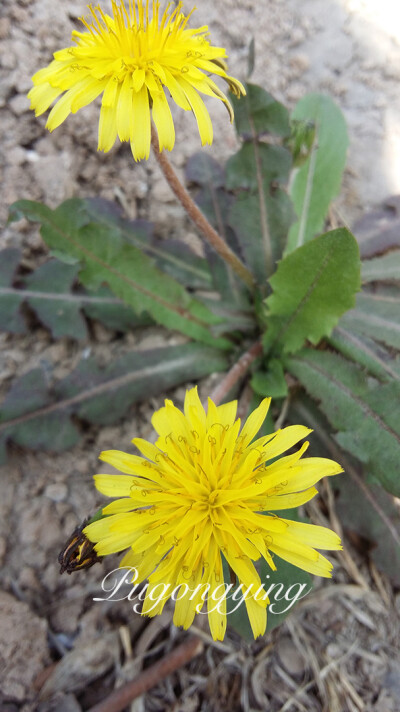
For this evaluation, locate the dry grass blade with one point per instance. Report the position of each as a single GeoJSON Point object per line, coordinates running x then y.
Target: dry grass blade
{"type": "Point", "coordinates": [333, 664]}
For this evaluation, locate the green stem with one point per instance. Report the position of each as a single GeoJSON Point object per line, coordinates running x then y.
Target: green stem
{"type": "Point", "coordinates": [211, 235]}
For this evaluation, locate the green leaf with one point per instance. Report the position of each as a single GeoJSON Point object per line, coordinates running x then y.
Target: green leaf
{"type": "Point", "coordinates": [272, 162]}
{"type": "Point", "coordinates": [300, 141]}
{"type": "Point", "coordinates": [130, 274]}
{"type": "Point", "coordinates": [10, 317]}
{"type": "Point", "coordinates": [270, 383]}
{"type": "Point", "coordinates": [112, 312]}
{"type": "Point", "coordinates": [37, 413]}
{"type": "Point", "coordinates": [251, 58]}
{"type": "Point", "coordinates": [287, 585]}
{"type": "Point", "coordinates": [171, 256]}
{"type": "Point", "coordinates": [47, 291]}
{"type": "Point", "coordinates": [364, 412]}
{"type": "Point", "coordinates": [313, 287]}
{"type": "Point", "coordinates": [207, 178]}
{"type": "Point", "coordinates": [318, 181]}
{"type": "Point", "coordinates": [262, 212]}
{"type": "Point", "coordinates": [54, 305]}
{"type": "Point", "coordinates": [365, 520]}
{"type": "Point", "coordinates": [256, 229]}
{"type": "Point", "coordinates": [259, 113]}
{"type": "Point", "coordinates": [382, 269]}
{"type": "Point", "coordinates": [366, 352]}
{"type": "Point", "coordinates": [377, 316]}
{"type": "Point", "coordinates": [376, 516]}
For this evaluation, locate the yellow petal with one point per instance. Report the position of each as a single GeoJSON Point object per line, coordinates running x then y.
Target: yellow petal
{"type": "Point", "coordinates": [285, 439]}
{"type": "Point", "coordinates": [198, 107]}
{"type": "Point", "coordinates": [320, 567]}
{"type": "Point", "coordinates": [257, 613]}
{"type": "Point", "coordinates": [163, 120]}
{"type": "Point", "coordinates": [111, 92]}
{"type": "Point", "coordinates": [193, 406]}
{"type": "Point", "coordinates": [138, 78]}
{"type": "Point", "coordinates": [314, 535]}
{"type": "Point", "coordinates": [90, 90]}
{"type": "Point", "coordinates": [223, 415]}
{"type": "Point", "coordinates": [140, 124]}
{"type": "Point", "coordinates": [288, 501]}
{"type": "Point", "coordinates": [60, 111]}
{"type": "Point", "coordinates": [177, 93]}
{"type": "Point", "coordinates": [114, 485]}
{"type": "Point", "coordinates": [124, 109]}
{"type": "Point", "coordinates": [107, 128]}
{"type": "Point", "coordinates": [130, 464]}
{"type": "Point", "coordinates": [42, 96]}
{"type": "Point", "coordinates": [255, 421]}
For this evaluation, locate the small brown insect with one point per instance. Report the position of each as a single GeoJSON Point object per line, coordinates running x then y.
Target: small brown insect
{"type": "Point", "coordinates": [78, 553]}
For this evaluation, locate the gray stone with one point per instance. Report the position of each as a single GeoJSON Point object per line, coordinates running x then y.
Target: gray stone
{"type": "Point", "coordinates": [23, 647]}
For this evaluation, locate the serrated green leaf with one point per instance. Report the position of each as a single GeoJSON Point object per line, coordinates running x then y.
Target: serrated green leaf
{"type": "Point", "coordinates": [377, 316]}
{"type": "Point", "coordinates": [312, 288]}
{"type": "Point", "coordinates": [29, 393]}
{"type": "Point", "coordinates": [54, 305]}
{"type": "Point", "coordinates": [36, 413]}
{"type": "Point", "coordinates": [376, 516]}
{"type": "Point", "coordinates": [318, 181]}
{"type": "Point", "coordinates": [112, 312]}
{"type": "Point", "coordinates": [365, 413]}
{"type": "Point", "coordinates": [171, 256]}
{"type": "Point", "coordinates": [382, 269]}
{"type": "Point", "coordinates": [366, 352]}
{"type": "Point", "coordinates": [259, 113]}
{"type": "Point", "coordinates": [130, 274]}
{"type": "Point", "coordinates": [46, 433]}
{"type": "Point", "coordinates": [270, 383]}
{"type": "Point", "coordinates": [47, 291]}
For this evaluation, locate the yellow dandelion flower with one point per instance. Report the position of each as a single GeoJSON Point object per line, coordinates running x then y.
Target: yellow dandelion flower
{"type": "Point", "coordinates": [200, 492]}
{"type": "Point", "coordinates": [129, 59]}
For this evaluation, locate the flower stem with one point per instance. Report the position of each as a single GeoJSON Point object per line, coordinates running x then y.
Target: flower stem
{"type": "Point", "coordinates": [211, 235]}
{"type": "Point", "coordinates": [123, 696]}
{"type": "Point", "coordinates": [236, 372]}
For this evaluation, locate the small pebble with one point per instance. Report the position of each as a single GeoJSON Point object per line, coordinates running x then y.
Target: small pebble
{"type": "Point", "coordinates": [57, 492]}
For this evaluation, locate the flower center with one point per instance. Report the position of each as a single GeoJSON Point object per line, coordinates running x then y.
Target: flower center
{"type": "Point", "coordinates": [212, 499]}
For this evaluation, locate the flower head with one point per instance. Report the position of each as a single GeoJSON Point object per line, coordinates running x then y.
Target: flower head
{"type": "Point", "coordinates": [129, 59]}
{"type": "Point", "coordinates": [200, 492]}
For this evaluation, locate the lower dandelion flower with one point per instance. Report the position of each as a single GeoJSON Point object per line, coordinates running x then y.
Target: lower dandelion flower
{"type": "Point", "coordinates": [199, 493]}
{"type": "Point", "coordinates": [129, 59]}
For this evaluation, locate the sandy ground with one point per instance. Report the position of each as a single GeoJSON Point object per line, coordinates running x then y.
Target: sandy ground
{"type": "Point", "coordinates": [343, 648]}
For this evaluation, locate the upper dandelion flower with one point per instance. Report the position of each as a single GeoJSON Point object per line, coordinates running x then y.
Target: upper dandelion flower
{"type": "Point", "coordinates": [131, 59]}
{"type": "Point", "coordinates": [199, 492]}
